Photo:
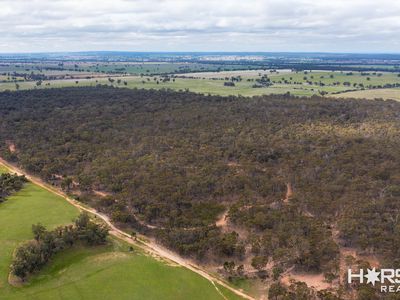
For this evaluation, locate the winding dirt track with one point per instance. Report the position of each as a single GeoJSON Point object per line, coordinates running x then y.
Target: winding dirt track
{"type": "Point", "coordinates": [148, 246]}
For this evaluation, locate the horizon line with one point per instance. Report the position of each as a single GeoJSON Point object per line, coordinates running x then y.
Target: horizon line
{"type": "Point", "coordinates": [194, 52]}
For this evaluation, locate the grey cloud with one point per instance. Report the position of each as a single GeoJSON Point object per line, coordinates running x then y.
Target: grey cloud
{"type": "Point", "coordinates": [168, 25]}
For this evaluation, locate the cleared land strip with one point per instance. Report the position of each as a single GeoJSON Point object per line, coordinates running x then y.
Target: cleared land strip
{"type": "Point", "coordinates": [147, 246]}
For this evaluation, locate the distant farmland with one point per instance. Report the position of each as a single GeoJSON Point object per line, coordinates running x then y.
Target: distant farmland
{"type": "Point", "coordinates": [234, 82]}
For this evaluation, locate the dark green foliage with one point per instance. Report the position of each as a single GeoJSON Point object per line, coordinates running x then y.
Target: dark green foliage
{"type": "Point", "coordinates": [276, 272]}
{"type": "Point", "coordinates": [327, 295]}
{"type": "Point", "coordinates": [228, 245]}
{"type": "Point", "coordinates": [196, 241]}
{"type": "Point", "coordinates": [33, 255]}
{"type": "Point", "coordinates": [38, 231]}
{"type": "Point", "coordinates": [276, 291]}
{"type": "Point", "coordinates": [10, 183]}
{"type": "Point", "coordinates": [175, 161]}
{"type": "Point", "coordinates": [300, 291]}
{"type": "Point", "coordinates": [90, 232]}
{"type": "Point", "coordinates": [287, 236]}
{"type": "Point", "coordinates": [259, 262]}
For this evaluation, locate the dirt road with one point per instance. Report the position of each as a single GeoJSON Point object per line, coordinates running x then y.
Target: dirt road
{"type": "Point", "coordinates": [147, 246]}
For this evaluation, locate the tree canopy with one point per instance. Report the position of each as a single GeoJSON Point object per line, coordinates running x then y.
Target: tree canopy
{"type": "Point", "coordinates": [172, 162]}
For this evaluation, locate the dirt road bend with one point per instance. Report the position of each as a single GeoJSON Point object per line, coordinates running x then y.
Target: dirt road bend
{"type": "Point", "coordinates": [143, 243]}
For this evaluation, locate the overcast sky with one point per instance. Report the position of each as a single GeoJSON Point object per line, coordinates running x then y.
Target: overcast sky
{"type": "Point", "coordinates": [200, 25]}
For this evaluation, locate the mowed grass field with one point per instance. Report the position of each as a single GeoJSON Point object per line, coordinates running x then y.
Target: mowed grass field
{"type": "Point", "coordinates": [111, 271]}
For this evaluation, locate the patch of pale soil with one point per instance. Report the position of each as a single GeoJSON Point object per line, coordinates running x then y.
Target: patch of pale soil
{"type": "Point", "coordinates": [60, 177]}
{"type": "Point", "coordinates": [222, 220]}
{"type": "Point", "coordinates": [248, 256]}
{"type": "Point", "coordinates": [12, 148]}
{"type": "Point", "coordinates": [308, 214]}
{"type": "Point", "coordinates": [233, 164]}
{"type": "Point", "coordinates": [316, 281]}
{"type": "Point", "coordinates": [289, 193]}
{"type": "Point", "coordinates": [101, 193]}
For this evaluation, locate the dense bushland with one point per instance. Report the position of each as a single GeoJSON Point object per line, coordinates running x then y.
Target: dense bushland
{"type": "Point", "coordinates": [172, 162]}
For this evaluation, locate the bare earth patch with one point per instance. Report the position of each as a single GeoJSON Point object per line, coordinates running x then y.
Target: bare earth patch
{"type": "Point", "coordinates": [222, 220]}
{"type": "Point", "coordinates": [316, 281]}
{"type": "Point", "coordinates": [11, 146]}
{"type": "Point", "coordinates": [289, 193]}
{"type": "Point", "coordinates": [101, 193]}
